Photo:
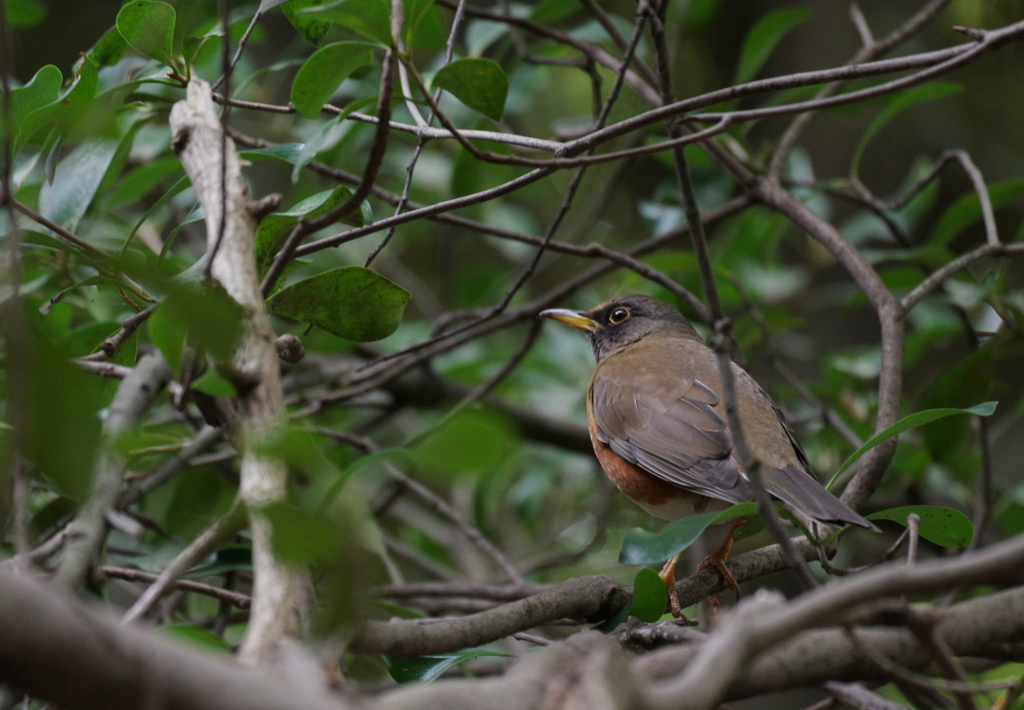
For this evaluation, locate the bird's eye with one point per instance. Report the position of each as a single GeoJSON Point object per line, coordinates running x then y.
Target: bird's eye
{"type": "Point", "coordinates": [618, 315]}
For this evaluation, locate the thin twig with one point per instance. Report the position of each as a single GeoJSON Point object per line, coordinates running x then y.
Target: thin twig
{"type": "Point", "coordinates": [437, 504]}
{"type": "Point", "coordinates": [304, 227]}
{"type": "Point", "coordinates": [204, 543]}
{"type": "Point", "coordinates": [869, 50]}
{"type": "Point", "coordinates": [109, 347]}
{"type": "Point", "coordinates": [240, 601]}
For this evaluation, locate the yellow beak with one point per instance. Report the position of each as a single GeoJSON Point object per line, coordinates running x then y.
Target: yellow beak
{"type": "Point", "coordinates": [573, 318]}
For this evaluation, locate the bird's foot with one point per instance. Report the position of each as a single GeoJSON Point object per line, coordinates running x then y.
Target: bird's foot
{"type": "Point", "coordinates": [668, 576]}
{"type": "Point", "coordinates": [717, 560]}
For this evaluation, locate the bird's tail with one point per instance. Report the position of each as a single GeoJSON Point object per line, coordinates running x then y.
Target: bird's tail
{"type": "Point", "coordinates": [806, 498]}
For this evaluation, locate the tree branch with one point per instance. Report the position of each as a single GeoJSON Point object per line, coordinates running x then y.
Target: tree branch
{"type": "Point", "coordinates": [222, 192]}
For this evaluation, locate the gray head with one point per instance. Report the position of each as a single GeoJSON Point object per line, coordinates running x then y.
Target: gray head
{"type": "Point", "coordinates": [622, 320]}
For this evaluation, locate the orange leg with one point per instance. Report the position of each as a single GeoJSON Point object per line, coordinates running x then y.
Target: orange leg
{"type": "Point", "coordinates": [668, 576]}
{"type": "Point", "coordinates": [668, 572]}
{"type": "Point", "coordinates": [717, 560]}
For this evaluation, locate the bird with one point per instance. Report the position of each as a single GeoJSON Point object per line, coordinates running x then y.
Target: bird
{"type": "Point", "coordinates": [660, 430]}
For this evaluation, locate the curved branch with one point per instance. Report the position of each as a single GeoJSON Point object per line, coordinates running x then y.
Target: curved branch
{"type": "Point", "coordinates": [585, 599]}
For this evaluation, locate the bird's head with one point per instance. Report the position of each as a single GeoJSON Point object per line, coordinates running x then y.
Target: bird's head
{"type": "Point", "coordinates": [623, 320]}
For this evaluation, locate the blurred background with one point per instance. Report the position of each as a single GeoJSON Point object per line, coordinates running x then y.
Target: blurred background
{"type": "Point", "coordinates": [541, 498]}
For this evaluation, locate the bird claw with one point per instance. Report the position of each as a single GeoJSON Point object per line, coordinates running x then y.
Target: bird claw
{"type": "Point", "coordinates": [668, 576]}
{"type": "Point", "coordinates": [717, 560]}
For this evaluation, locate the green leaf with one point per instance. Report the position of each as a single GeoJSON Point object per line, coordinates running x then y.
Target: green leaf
{"type": "Point", "coordinates": [370, 18]}
{"type": "Point", "coordinates": [273, 229]}
{"type": "Point", "coordinates": [640, 547]}
{"type": "Point", "coordinates": [649, 596]}
{"type": "Point", "coordinates": [967, 210]}
{"type": "Point", "coordinates": [647, 603]}
{"type": "Point", "coordinates": [109, 48]}
{"type": "Point", "coordinates": [66, 109]}
{"type": "Point", "coordinates": [481, 84]}
{"type": "Point", "coordinates": [945, 527]}
{"type": "Point", "coordinates": [901, 102]}
{"type": "Point", "coordinates": [137, 183]}
{"type": "Point", "coordinates": [474, 441]}
{"type": "Point", "coordinates": [194, 215]}
{"type": "Point", "coordinates": [148, 26]}
{"type": "Point", "coordinates": [328, 135]}
{"type": "Point", "coordinates": [301, 451]}
{"type": "Point", "coordinates": [323, 73]}
{"type": "Point", "coordinates": [76, 181]}
{"type": "Point", "coordinates": [764, 37]}
{"type": "Point", "coordinates": [42, 89]}
{"type": "Point", "coordinates": [23, 14]}
{"type": "Point", "coordinates": [299, 537]}
{"type": "Point", "coordinates": [168, 335]}
{"type": "Point", "coordinates": [310, 28]}
{"type": "Point", "coordinates": [62, 425]}
{"type": "Point", "coordinates": [423, 27]}
{"type": "Point", "coordinates": [424, 669]}
{"type": "Point", "coordinates": [351, 302]}
{"type": "Point", "coordinates": [195, 635]}
{"type": "Point", "coordinates": [214, 384]}
{"type": "Point", "coordinates": [175, 189]}
{"type": "Point", "coordinates": [910, 422]}
{"type": "Point", "coordinates": [548, 11]}
{"type": "Point", "coordinates": [204, 314]}
{"type": "Point", "coordinates": [191, 46]}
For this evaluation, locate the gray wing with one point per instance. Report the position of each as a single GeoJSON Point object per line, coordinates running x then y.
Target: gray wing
{"type": "Point", "coordinates": [675, 435]}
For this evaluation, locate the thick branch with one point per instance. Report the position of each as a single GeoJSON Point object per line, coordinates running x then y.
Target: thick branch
{"type": "Point", "coordinates": [588, 599]}
{"type": "Point", "coordinates": [55, 648]}
{"type": "Point", "coordinates": [201, 145]}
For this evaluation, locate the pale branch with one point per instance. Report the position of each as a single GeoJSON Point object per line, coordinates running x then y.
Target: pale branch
{"type": "Point", "coordinates": [887, 308]}
{"type": "Point", "coordinates": [134, 395]}
{"type": "Point", "coordinates": [711, 671]}
{"type": "Point", "coordinates": [103, 369]}
{"type": "Point", "coordinates": [60, 650]}
{"type": "Point", "coordinates": [986, 41]}
{"type": "Point", "coordinates": [939, 276]}
{"type": "Point", "coordinates": [210, 160]}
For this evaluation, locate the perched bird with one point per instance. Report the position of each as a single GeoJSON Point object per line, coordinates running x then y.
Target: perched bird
{"type": "Point", "coordinates": [660, 430]}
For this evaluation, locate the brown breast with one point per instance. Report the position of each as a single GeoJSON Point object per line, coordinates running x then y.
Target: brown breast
{"type": "Point", "coordinates": [658, 497]}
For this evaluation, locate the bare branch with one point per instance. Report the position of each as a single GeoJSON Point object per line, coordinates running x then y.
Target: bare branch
{"type": "Point", "coordinates": [136, 392]}
{"type": "Point", "coordinates": [133, 575]}
{"type": "Point", "coordinates": [198, 139]}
